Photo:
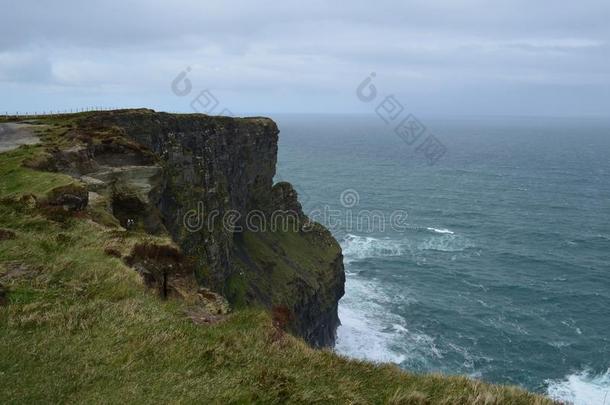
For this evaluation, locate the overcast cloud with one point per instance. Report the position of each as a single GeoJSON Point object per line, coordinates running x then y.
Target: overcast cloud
{"type": "Point", "coordinates": [439, 57]}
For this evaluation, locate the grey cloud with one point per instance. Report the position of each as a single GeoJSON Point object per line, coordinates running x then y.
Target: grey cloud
{"type": "Point", "coordinates": [308, 56]}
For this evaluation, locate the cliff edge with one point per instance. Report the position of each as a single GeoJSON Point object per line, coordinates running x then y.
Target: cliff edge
{"type": "Point", "coordinates": [208, 182]}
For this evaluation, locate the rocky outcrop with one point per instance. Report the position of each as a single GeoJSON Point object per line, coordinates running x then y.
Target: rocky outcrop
{"type": "Point", "coordinates": [70, 197]}
{"type": "Point", "coordinates": [201, 179]}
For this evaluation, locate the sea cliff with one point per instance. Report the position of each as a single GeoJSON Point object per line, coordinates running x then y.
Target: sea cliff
{"type": "Point", "coordinates": [208, 182]}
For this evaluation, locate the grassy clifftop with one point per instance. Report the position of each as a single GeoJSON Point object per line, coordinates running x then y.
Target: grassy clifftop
{"type": "Point", "coordinates": [77, 324]}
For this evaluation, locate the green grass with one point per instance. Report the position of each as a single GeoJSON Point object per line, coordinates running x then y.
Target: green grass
{"type": "Point", "coordinates": [81, 327]}
{"type": "Point", "coordinates": [19, 180]}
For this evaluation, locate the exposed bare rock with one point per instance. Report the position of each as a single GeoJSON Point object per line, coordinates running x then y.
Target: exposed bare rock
{"type": "Point", "coordinates": [73, 197]}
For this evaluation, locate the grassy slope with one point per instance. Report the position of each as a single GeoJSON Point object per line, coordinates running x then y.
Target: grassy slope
{"type": "Point", "coordinates": [81, 327]}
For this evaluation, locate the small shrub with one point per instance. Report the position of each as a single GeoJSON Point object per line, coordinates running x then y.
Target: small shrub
{"type": "Point", "coordinates": [281, 316]}
{"type": "Point", "coordinates": [7, 234]}
{"type": "Point", "coordinates": [159, 265]}
{"type": "Point", "coordinates": [156, 253]}
{"type": "Point", "coordinates": [3, 296]}
{"type": "Point", "coordinates": [43, 162]}
{"type": "Point", "coordinates": [114, 252]}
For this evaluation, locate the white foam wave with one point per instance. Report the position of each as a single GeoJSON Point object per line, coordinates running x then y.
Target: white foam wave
{"type": "Point", "coordinates": [559, 345]}
{"type": "Point", "coordinates": [363, 333]}
{"type": "Point", "coordinates": [441, 230]}
{"type": "Point", "coordinates": [446, 243]}
{"type": "Point", "coordinates": [364, 247]}
{"type": "Point", "coordinates": [360, 337]}
{"type": "Point", "coordinates": [371, 332]}
{"type": "Point", "coordinates": [400, 328]}
{"type": "Point", "coordinates": [582, 388]}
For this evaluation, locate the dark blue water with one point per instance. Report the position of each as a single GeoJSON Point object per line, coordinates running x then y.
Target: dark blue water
{"type": "Point", "coordinates": [501, 270]}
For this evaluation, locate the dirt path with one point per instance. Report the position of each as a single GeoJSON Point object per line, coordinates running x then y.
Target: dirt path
{"type": "Point", "coordinates": [14, 135]}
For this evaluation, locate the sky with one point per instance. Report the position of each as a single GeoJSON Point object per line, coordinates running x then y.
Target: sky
{"type": "Point", "coordinates": [455, 57]}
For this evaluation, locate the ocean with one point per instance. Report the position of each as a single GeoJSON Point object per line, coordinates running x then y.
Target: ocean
{"type": "Point", "coordinates": [498, 267]}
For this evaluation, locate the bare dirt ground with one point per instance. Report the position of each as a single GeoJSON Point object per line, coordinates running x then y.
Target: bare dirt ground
{"type": "Point", "coordinates": [14, 135]}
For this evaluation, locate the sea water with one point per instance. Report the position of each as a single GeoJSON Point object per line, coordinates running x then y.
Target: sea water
{"type": "Point", "coordinates": [500, 270]}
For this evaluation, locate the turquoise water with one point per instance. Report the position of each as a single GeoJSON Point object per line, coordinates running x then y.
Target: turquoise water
{"type": "Point", "coordinates": [501, 270]}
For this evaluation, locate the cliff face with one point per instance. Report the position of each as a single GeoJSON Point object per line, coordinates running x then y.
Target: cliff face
{"type": "Point", "coordinates": [208, 181]}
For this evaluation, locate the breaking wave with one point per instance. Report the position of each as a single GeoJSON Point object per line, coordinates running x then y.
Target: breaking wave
{"type": "Point", "coordinates": [369, 331]}
{"type": "Point", "coordinates": [364, 247]}
{"type": "Point", "coordinates": [441, 230]}
{"type": "Point", "coordinates": [583, 388]}
{"type": "Point", "coordinates": [448, 242]}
